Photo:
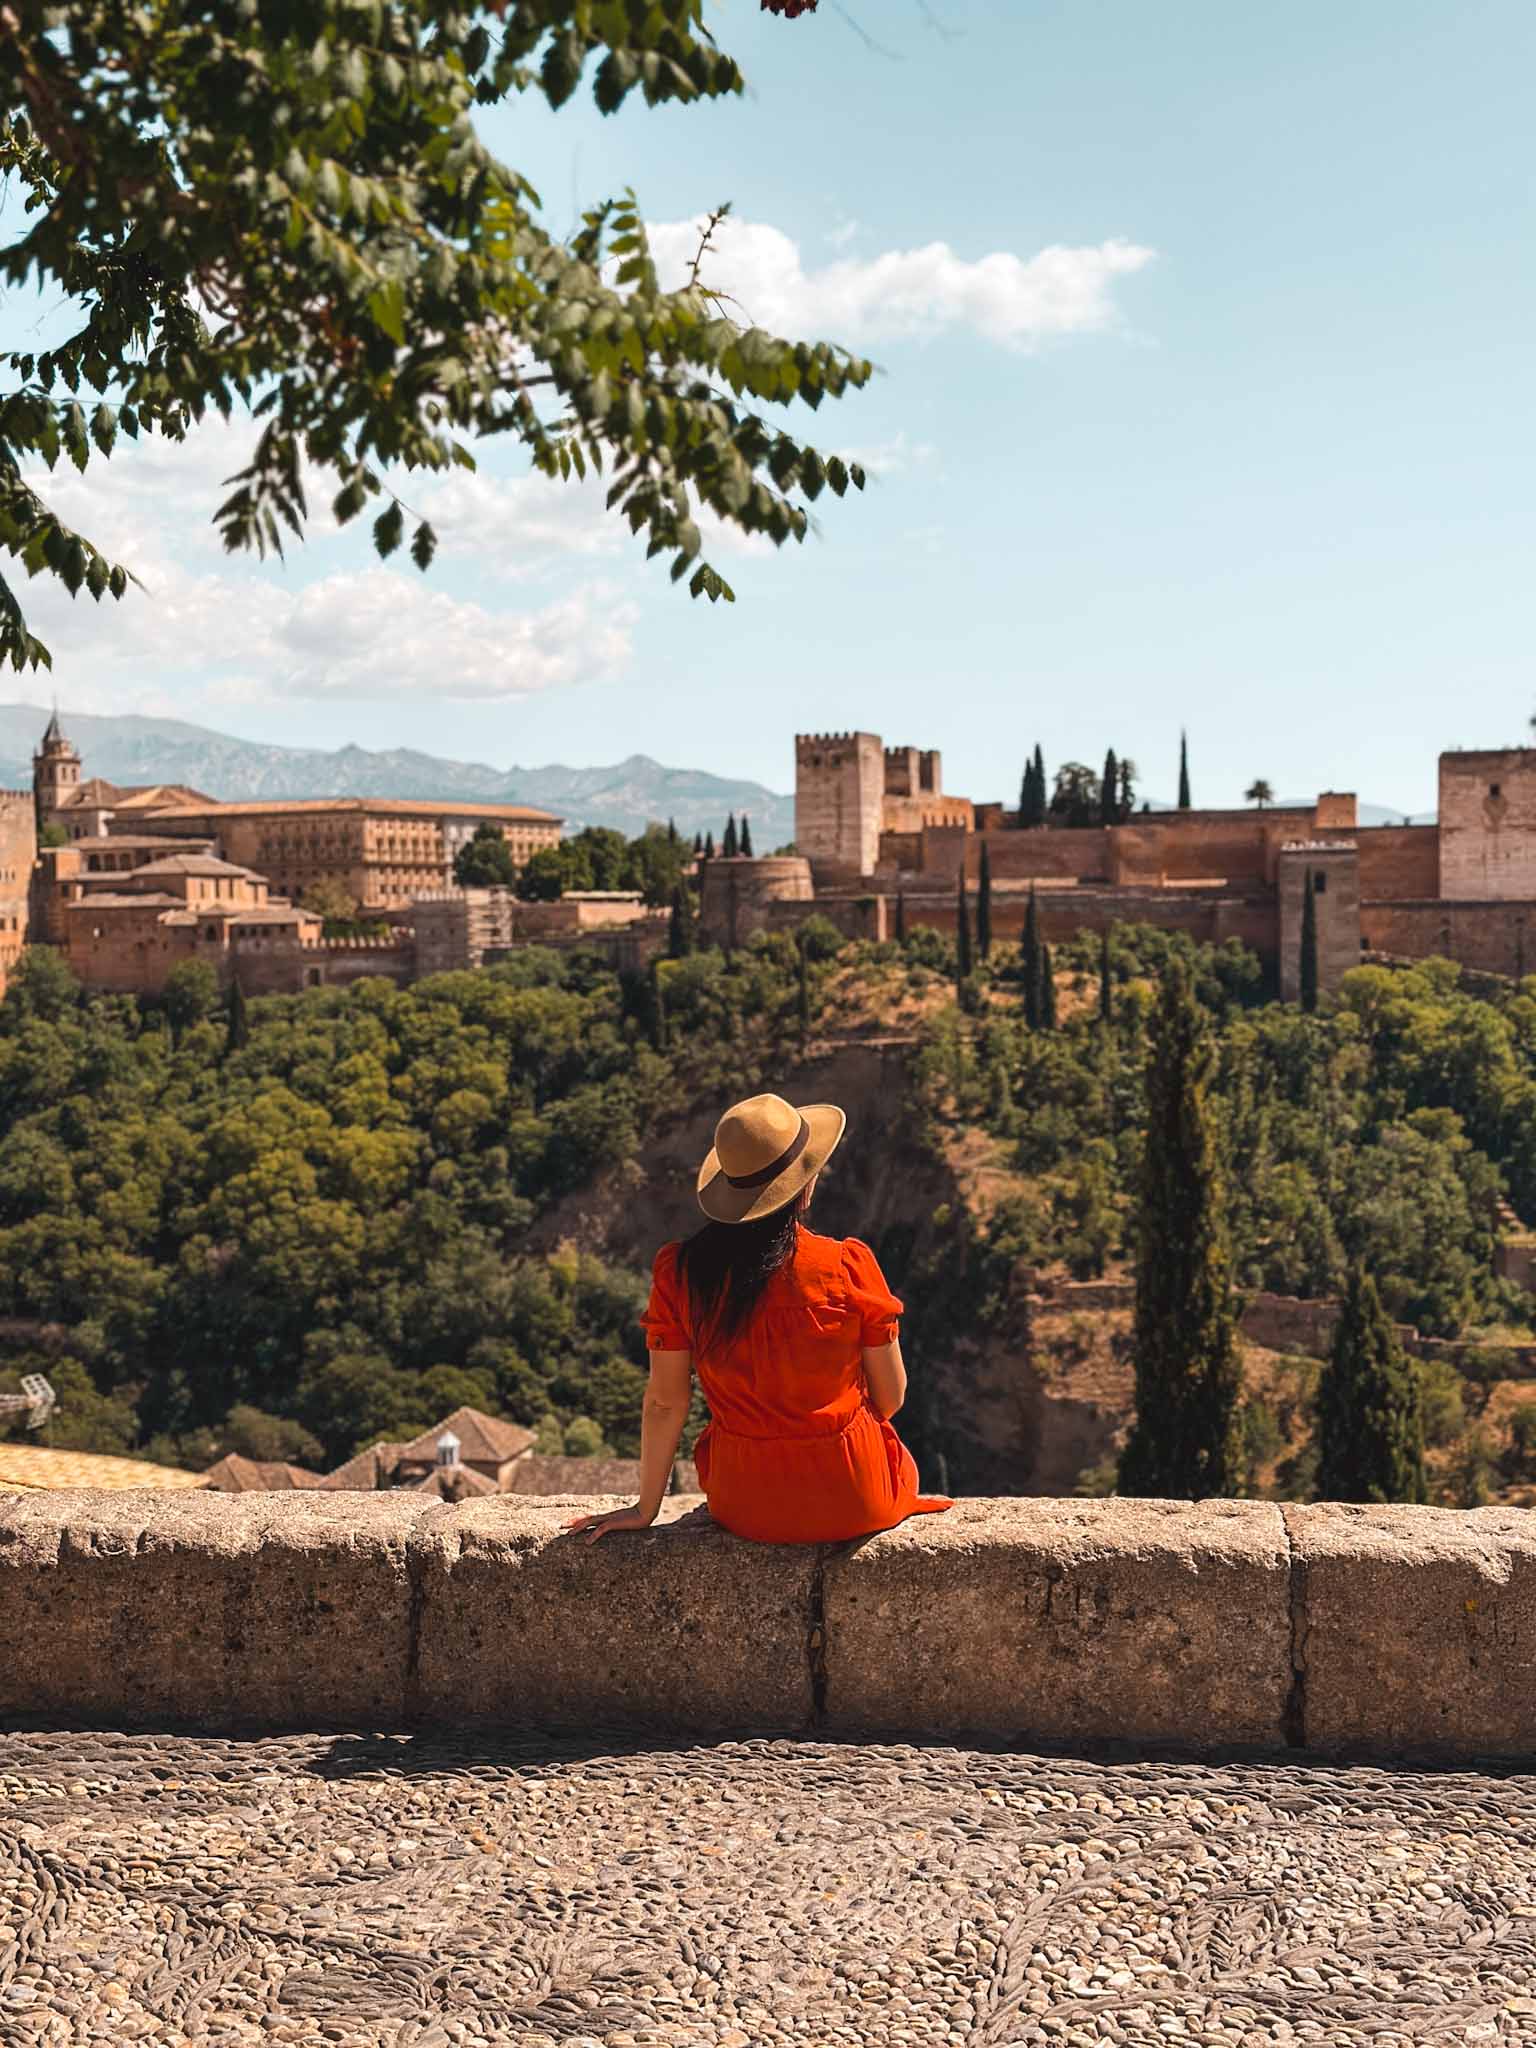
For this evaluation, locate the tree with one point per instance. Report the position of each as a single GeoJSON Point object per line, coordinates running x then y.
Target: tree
{"type": "Point", "coordinates": [984, 904]}
{"type": "Point", "coordinates": [52, 834]}
{"type": "Point", "coordinates": [543, 877]}
{"type": "Point", "coordinates": [803, 990]}
{"type": "Point", "coordinates": [1370, 1424]}
{"type": "Point", "coordinates": [709, 845]}
{"type": "Point", "coordinates": [191, 990]}
{"type": "Point", "coordinates": [1309, 945]}
{"type": "Point", "coordinates": [672, 839]}
{"type": "Point", "coordinates": [1040, 797]}
{"type": "Point", "coordinates": [1185, 1441]}
{"type": "Point", "coordinates": [746, 837]}
{"type": "Point", "coordinates": [1106, 981]}
{"type": "Point", "coordinates": [680, 931]}
{"type": "Point", "coordinates": [1184, 803]}
{"type": "Point", "coordinates": [485, 861]}
{"type": "Point", "coordinates": [238, 1031]}
{"type": "Point", "coordinates": [1030, 961]}
{"type": "Point", "coordinates": [1026, 793]}
{"type": "Point", "coordinates": [1032, 792]}
{"type": "Point", "coordinates": [1075, 800]}
{"type": "Point", "coordinates": [728, 843]}
{"type": "Point", "coordinates": [659, 1031]}
{"type": "Point", "coordinates": [331, 900]}
{"type": "Point", "coordinates": [698, 845]}
{"type": "Point", "coordinates": [962, 932]}
{"type": "Point", "coordinates": [1259, 792]}
{"type": "Point", "coordinates": [1129, 774]}
{"type": "Point", "coordinates": [299, 205]}
{"type": "Point", "coordinates": [1109, 791]}
{"type": "Point", "coordinates": [1047, 991]}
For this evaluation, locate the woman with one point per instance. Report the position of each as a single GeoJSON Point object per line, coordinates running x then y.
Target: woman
{"type": "Point", "coordinates": [794, 1337]}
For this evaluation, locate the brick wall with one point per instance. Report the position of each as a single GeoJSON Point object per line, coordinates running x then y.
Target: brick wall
{"type": "Point", "coordinates": [1497, 938]}
{"type": "Point", "coordinates": [1399, 861]}
{"type": "Point", "coordinates": [18, 852]}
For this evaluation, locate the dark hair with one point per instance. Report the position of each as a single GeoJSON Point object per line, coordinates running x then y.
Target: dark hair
{"type": "Point", "coordinates": [724, 1268]}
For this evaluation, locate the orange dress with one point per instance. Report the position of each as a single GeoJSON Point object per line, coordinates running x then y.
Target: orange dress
{"type": "Point", "coordinates": [793, 1452]}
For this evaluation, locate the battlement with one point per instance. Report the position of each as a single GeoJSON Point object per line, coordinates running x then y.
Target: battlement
{"type": "Point", "coordinates": [806, 740]}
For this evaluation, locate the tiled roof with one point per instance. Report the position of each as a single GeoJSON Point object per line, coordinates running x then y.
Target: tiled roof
{"type": "Point", "coordinates": [196, 864]}
{"type": "Point", "coordinates": [119, 899]}
{"type": "Point", "coordinates": [234, 1474]}
{"type": "Point", "coordinates": [455, 1482]}
{"type": "Point", "coordinates": [483, 1439]}
{"type": "Point", "coordinates": [34, 1465]}
{"type": "Point", "coordinates": [575, 1475]}
{"type": "Point", "coordinates": [365, 1471]}
{"type": "Point", "coordinates": [370, 806]}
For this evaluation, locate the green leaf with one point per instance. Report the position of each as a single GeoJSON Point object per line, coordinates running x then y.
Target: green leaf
{"type": "Point", "coordinates": [387, 529]}
{"type": "Point", "coordinates": [387, 305]}
{"type": "Point", "coordinates": [423, 546]}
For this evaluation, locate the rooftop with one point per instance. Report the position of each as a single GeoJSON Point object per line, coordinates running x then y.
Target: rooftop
{"type": "Point", "coordinates": [24, 1467]}
{"type": "Point", "coordinates": [370, 806]}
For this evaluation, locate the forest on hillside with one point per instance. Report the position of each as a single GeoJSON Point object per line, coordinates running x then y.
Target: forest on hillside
{"type": "Point", "coordinates": [295, 1227]}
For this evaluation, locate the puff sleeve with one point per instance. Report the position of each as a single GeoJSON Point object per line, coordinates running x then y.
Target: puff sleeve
{"type": "Point", "coordinates": [665, 1320]}
{"type": "Point", "coordinates": [878, 1309]}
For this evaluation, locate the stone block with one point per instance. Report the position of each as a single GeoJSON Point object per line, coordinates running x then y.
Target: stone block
{"type": "Point", "coordinates": [148, 1608]}
{"type": "Point", "coordinates": [1065, 1620]}
{"type": "Point", "coordinates": [1416, 1628]}
{"type": "Point", "coordinates": [681, 1625]}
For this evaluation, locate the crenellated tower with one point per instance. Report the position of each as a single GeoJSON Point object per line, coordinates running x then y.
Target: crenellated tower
{"type": "Point", "coordinates": [839, 802]}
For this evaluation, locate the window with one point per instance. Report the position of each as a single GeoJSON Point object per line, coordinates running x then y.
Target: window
{"type": "Point", "coordinates": [1494, 788]}
{"type": "Point", "coordinates": [1320, 885]}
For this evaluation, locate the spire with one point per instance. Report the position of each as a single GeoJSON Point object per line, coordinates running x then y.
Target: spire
{"type": "Point", "coordinates": [53, 737]}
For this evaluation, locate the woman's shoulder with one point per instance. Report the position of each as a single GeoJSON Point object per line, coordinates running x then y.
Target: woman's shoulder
{"type": "Point", "coordinates": [847, 1257]}
{"type": "Point", "coordinates": [665, 1261]}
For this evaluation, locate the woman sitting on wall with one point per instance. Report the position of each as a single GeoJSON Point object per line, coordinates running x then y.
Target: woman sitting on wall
{"type": "Point", "coordinates": [795, 1340]}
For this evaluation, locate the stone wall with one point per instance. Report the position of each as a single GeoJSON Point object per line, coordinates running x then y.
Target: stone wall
{"type": "Point", "coordinates": [1217, 1625]}
{"type": "Point", "coordinates": [1399, 861]}
{"type": "Point", "coordinates": [738, 897]}
{"type": "Point", "coordinates": [1487, 825]}
{"type": "Point", "coordinates": [18, 851]}
{"type": "Point", "coordinates": [1493, 937]}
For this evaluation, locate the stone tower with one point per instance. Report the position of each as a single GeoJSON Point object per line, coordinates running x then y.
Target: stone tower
{"type": "Point", "coordinates": [1334, 866]}
{"type": "Point", "coordinates": [55, 774]}
{"type": "Point", "coordinates": [839, 802]}
{"type": "Point", "coordinates": [1488, 826]}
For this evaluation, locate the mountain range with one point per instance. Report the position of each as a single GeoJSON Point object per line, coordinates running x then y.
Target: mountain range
{"type": "Point", "coordinates": [627, 796]}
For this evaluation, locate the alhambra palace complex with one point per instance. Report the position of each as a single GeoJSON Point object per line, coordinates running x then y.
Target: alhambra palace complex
{"type": "Point", "coordinates": [148, 877]}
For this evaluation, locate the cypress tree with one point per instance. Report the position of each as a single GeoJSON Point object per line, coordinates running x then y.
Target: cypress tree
{"type": "Point", "coordinates": [239, 1024]}
{"type": "Point", "coordinates": [698, 845]}
{"type": "Point", "coordinates": [746, 837]}
{"type": "Point", "coordinates": [1047, 991]}
{"type": "Point", "coordinates": [1106, 981]}
{"type": "Point", "coordinates": [1185, 1442]}
{"type": "Point", "coordinates": [901, 917]}
{"type": "Point", "coordinates": [659, 1031]}
{"type": "Point", "coordinates": [1041, 804]}
{"type": "Point", "coordinates": [1309, 946]}
{"type": "Point", "coordinates": [1026, 792]}
{"type": "Point", "coordinates": [1370, 1425]}
{"type": "Point", "coordinates": [984, 905]}
{"type": "Point", "coordinates": [1109, 791]}
{"type": "Point", "coordinates": [1030, 962]}
{"type": "Point", "coordinates": [962, 932]}
{"type": "Point", "coordinates": [728, 843]}
{"type": "Point", "coordinates": [680, 930]}
{"type": "Point", "coordinates": [709, 845]}
{"type": "Point", "coordinates": [671, 831]}
{"type": "Point", "coordinates": [1184, 804]}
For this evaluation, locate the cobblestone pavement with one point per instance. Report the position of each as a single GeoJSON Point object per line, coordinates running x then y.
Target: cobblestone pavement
{"type": "Point", "coordinates": [399, 1892]}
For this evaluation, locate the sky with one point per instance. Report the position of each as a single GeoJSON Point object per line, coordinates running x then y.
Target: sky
{"type": "Point", "coordinates": [1207, 400]}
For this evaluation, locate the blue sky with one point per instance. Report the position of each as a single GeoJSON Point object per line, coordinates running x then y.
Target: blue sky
{"type": "Point", "coordinates": [1253, 456]}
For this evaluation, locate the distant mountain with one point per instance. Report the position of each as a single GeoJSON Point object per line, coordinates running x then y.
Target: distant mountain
{"type": "Point", "coordinates": [628, 796]}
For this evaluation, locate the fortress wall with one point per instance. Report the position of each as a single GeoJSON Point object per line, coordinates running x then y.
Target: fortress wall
{"type": "Point", "coordinates": [1211, 1625]}
{"type": "Point", "coordinates": [1487, 827]}
{"type": "Point", "coordinates": [1399, 861]}
{"type": "Point", "coordinates": [1496, 938]}
{"type": "Point", "coordinates": [1043, 853]}
{"type": "Point", "coordinates": [1084, 907]}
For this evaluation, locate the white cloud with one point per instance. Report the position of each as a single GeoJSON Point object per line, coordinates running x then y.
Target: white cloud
{"type": "Point", "coordinates": [1016, 301]}
{"type": "Point", "coordinates": [376, 634]}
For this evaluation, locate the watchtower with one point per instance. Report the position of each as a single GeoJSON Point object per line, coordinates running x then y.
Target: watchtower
{"type": "Point", "coordinates": [1488, 826]}
{"type": "Point", "coordinates": [1334, 866]}
{"type": "Point", "coordinates": [55, 774]}
{"type": "Point", "coordinates": [839, 799]}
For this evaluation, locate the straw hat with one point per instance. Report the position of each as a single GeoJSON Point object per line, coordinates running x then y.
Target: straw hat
{"type": "Point", "coordinates": [765, 1151]}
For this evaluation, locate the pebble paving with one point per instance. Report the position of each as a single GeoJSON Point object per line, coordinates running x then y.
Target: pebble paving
{"type": "Point", "coordinates": [375, 1891]}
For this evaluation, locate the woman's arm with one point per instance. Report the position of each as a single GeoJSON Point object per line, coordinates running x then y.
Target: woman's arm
{"type": "Point", "coordinates": [662, 1415]}
{"type": "Point", "coordinates": [886, 1376]}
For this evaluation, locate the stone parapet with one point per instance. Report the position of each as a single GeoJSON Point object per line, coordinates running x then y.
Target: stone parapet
{"type": "Point", "coordinates": [1218, 1625]}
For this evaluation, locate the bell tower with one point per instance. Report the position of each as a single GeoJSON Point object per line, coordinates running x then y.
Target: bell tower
{"type": "Point", "coordinates": [55, 774]}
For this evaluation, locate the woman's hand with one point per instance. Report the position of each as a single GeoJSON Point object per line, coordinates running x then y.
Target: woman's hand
{"type": "Point", "coordinates": [616, 1518]}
